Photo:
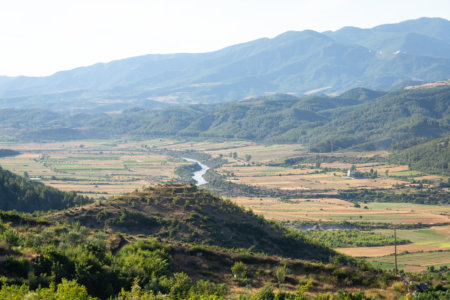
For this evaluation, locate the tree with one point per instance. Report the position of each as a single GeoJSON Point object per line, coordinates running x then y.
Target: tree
{"type": "Point", "coordinates": [239, 270]}
{"type": "Point", "coordinates": [71, 290]}
{"type": "Point", "coordinates": [11, 238]}
{"type": "Point", "coordinates": [248, 157]}
{"type": "Point", "coordinates": [181, 286]}
{"type": "Point", "coordinates": [266, 293]}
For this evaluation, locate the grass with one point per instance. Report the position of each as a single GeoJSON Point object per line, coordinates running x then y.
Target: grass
{"type": "Point", "coordinates": [407, 173]}
{"type": "Point", "coordinates": [98, 157]}
{"type": "Point", "coordinates": [435, 236]}
{"type": "Point", "coordinates": [433, 239]}
{"type": "Point", "coordinates": [88, 169]}
{"type": "Point", "coordinates": [413, 262]}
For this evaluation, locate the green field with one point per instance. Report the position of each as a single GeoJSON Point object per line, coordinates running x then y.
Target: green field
{"type": "Point", "coordinates": [413, 262]}
{"type": "Point", "coordinates": [406, 173]}
{"type": "Point", "coordinates": [427, 237]}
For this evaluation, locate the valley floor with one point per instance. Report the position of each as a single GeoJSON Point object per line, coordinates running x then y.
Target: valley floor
{"type": "Point", "coordinates": [104, 168]}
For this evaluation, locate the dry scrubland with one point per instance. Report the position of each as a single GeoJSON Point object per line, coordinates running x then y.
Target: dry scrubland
{"type": "Point", "coordinates": [101, 168]}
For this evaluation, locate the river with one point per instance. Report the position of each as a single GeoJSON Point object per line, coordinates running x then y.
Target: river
{"type": "Point", "coordinates": [198, 176]}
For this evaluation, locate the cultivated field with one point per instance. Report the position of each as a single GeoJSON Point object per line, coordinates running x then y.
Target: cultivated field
{"type": "Point", "coordinates": [433, 238]}
{"type": "Point", "coordinates": [95, 168]}
{"type": "Point", "coordinates": [413, 262]}
{"type": "Point", "coordinates": [101, 168]}
{"type": "Point", "coordinates": [329, 209]}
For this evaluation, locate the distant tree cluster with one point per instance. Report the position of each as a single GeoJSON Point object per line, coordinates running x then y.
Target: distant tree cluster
{"type": "Point", "coordinates": [186, 171]}
{"type": "Point", "coordinates": [352, 238]}
{"type": "Point", "coordinates": [8, 152]}
{"type": "Point", "coordinates": [428, 196]}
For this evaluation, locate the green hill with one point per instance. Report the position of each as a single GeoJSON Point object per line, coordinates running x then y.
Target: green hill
{"type": "Point", "coordinates": [360, 119]}
{"type": "Point", "coordinates": [188, 214]}
{"type": "Point", "coordinates": [62, 260]}
{"type": "Point", "coordinates": [23, 194]}
{"type": "Point", "coordinates": [396, 116]}
{"type": "Point", "coordinates": [430, 157]}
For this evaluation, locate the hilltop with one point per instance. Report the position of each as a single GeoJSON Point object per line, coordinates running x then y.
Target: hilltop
{"type": "Point", "coordinates": [188, 214]}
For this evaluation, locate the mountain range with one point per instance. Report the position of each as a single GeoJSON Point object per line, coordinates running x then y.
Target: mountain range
{"type": "Point", "coordinates": [297, 63]}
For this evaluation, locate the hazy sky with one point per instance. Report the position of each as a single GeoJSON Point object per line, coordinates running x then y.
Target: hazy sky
{"type": "Point", "coordinates": [45, 36]}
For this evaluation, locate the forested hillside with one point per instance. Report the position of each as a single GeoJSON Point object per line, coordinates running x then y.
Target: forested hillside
{"type": "Point", "coordinates": [8, 152]}
{"type": "Point", "coordinates": [360, 119]}
{"type": "Point", "coordinates": [432, 157]}
{"type": "Point", "coordinates": [367, 119]}
{"type": "Point", "coordinates": [23, 194]}
{"type": "Point", "coordinates": [397, 116]}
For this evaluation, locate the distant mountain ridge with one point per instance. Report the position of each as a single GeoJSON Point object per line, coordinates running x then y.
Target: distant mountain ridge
{"type": "Point", "coordinates": [293, 62]}
{"type": "Point", "coordinates": [397, 37]}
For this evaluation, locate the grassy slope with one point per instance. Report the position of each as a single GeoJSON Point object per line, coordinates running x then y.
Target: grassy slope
{"type": "Point", "coordinates": [200, 262]}
{"type": "Point", "coordinates": [188, 214]}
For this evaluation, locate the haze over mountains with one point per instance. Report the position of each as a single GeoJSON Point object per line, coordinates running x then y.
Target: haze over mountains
{"type": "Point", "coordinates": [383, 57]}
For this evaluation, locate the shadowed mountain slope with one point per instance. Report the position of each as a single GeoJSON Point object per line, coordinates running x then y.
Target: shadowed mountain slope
{"type": "Point", "coordinates": [23, 194]}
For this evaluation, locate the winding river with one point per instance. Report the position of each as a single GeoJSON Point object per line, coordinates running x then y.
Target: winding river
{"type": "Point", "coordinates": [198, 176]}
